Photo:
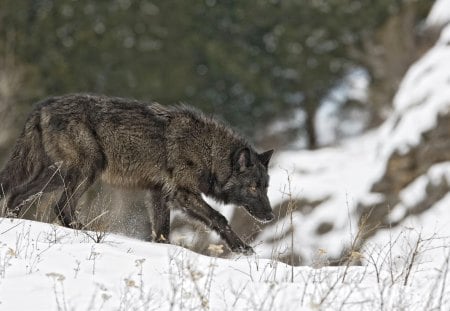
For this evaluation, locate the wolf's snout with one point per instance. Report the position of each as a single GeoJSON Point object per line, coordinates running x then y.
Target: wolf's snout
{"type": "Point", "coordinates": [266, 217]}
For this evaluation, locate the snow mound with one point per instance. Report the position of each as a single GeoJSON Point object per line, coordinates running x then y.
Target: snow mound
{"type": "Point", "coordinates": [423, 95]}
{"type": "Point", "coordinates": [46, 267]}
{"type": "Point", "coordinates": [439, 14]}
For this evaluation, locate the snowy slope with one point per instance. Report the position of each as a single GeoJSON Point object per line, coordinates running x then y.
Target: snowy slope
{"type": "Point", "coordinates": [340, 175]}
{"type": "Point", "coordinates": [47, 267]}
{"type": "Point", "coordinates": [343, 176]}
{"type": "Point", "coordinates": [439, 14]}
{"type": "Point", "coordinates": [424, 94]}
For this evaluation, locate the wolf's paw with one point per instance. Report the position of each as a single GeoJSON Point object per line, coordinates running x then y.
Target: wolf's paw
{"type": "Point", "coordinates": [12, 213]}
{"type": "Point", "coordinates": [243, 249]}
{"type": "Point", "coordinates": [76, 225]}
{"type": "Point", "coordinates": [161, 239]}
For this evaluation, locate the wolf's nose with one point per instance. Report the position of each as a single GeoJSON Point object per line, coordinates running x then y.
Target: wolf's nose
{"type": "Point", "coordinates": [270, 217]}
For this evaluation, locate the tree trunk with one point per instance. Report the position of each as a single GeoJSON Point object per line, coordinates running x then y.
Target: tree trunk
{"type": "Point", "coordinates": [310, 127]}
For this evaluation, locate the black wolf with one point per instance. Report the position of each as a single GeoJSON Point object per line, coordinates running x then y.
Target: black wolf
{"type": "Point", "coordinates": [176, 152]}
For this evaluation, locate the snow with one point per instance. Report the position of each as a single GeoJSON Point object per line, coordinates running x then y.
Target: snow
{"type": "Point", "coordinates": [416, 192]}
{"type": "Point", "coordinates": [343, 175]}
{"type": "Point", "coordinates": [340, 175]}
{"type": "Point", "coordinates": [439, 14]}
{"type": "Point", "coordinates": [424, 94]}
{"type": "Point", "coordinates": [47, 267]}
{"type": "Point", "coordinates": [330, 124]}
{"type": "Point", "coordinates": [431, 226]}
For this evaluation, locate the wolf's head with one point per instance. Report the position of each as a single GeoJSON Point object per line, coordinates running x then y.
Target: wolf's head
{"type": "Point", "coordinates": [248, 183]}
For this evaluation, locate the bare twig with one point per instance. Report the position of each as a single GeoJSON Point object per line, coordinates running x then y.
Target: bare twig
{"type": "Point", "coordinates": [414, 255]}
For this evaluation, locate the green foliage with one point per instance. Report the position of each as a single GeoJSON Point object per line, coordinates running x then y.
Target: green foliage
{"type": "Point", "coordinates": [251, 62]}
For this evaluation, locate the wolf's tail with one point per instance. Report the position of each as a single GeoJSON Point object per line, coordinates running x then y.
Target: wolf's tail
{"type": "Point", "coordinates": [27, 156]}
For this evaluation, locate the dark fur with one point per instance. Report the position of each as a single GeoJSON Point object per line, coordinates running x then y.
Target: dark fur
{"type": "Point", "coordinates": [70, 141]}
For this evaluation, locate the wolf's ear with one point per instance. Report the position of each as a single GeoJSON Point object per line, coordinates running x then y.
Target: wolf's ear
{"type": "Point", "coordinates": [265, 157]}
{"type": "Point", "coordinates": [241, 160]}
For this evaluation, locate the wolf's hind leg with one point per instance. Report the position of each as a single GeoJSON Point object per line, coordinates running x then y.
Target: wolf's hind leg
{"type": "Point", "coordinates": [83, 161]}
{"type": "Point", "coordinates": [46, 181]}
{"type": "Point", "coordinates": [75, 185]}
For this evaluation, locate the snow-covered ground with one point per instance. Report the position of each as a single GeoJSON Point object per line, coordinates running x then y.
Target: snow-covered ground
{"type": "Point", "coordinates": [47, 267]}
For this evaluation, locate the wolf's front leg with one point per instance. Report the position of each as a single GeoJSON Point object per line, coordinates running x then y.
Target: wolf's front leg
{"type": "Point", "coordinates": [160, 216]}
{"type": "Point", "coordinates": [196, 207]}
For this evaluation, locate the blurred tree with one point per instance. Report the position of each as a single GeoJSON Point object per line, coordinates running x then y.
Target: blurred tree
{"type": "Point", "coordinates": [252, 62]}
